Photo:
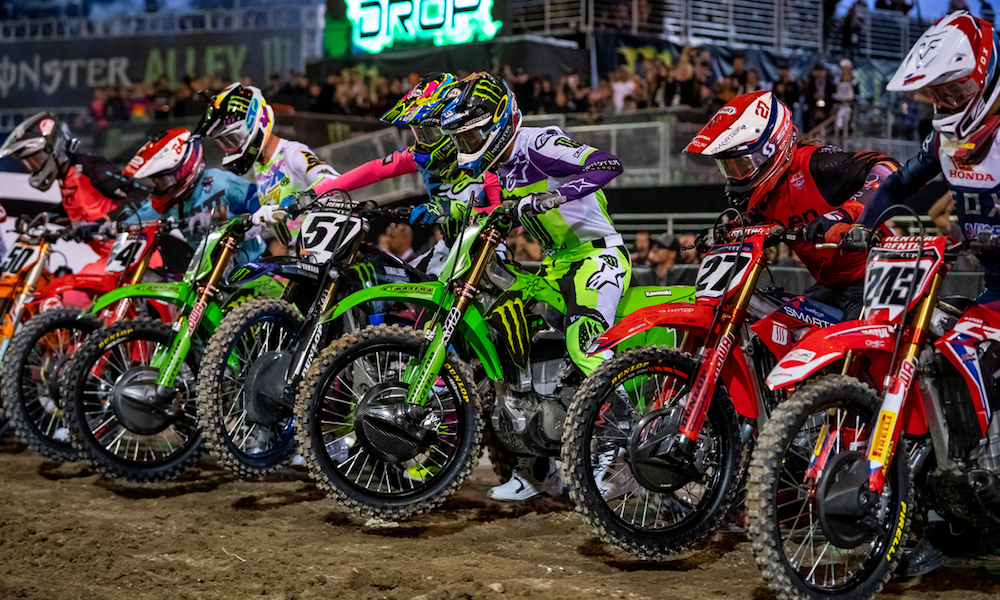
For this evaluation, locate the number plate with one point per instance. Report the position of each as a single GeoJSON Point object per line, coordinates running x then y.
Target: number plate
{"type": "Point", "coordinates": [127, 251]}
{"type": "Point", "coordinates": [324, 234]}
{"type": "Point", "coordinates": [715, 270]}
{"type": "Point", "coordinates": [890, 274]}
{"type": "Point", "coordinates": [19, 256]}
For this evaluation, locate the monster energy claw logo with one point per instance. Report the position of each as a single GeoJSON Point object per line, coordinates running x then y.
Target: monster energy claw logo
{"type": "Point", "coordinates": [508, 319]}
{"type": "Point", "coordinates": [589, 331]}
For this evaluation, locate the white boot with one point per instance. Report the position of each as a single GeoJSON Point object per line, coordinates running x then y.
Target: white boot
{"type": "Point", "coordinates": [613, 476]}
{"type": "Point", "coordinates": [523, 485]}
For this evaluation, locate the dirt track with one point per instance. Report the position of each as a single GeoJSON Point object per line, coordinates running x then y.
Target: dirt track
{"type": "Point", "coordinates": [67, 533]}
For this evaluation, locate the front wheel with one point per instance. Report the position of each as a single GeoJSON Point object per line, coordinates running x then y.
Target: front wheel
{"type": "Point", "coordinates": [368, 448]}
{"type": "Point", "coordinates": [812, 449]}
{"type": "Point", "coordinates": [241, 384]}
{"type": "Point", "coordinates": [635, 499]}
{"type": "Point", "coordinates": [115, 419]}
{"type": "Point", "coordinates": [35, 363]}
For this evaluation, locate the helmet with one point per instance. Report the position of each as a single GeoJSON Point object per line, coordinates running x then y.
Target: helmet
{"type": "Point", "coordinates": [173, 162]}
{"type": "Point", "coordinates": [752, 139]}
{"type": "Point", "coordinates": [481, 118]}
{"type": "Point", "coordinates": [240, 120]}
{"type": "Point", "coordinates": [43, 144]}
{"type": "Point", "coordinates": [421, 110]}
{"type": "Point", "coordinates": [955, 64]}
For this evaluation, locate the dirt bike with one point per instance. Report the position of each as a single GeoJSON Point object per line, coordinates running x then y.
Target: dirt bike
{"type": "Point", "coordinates": [255, 360]}
{"type": "Point", "coordinates": [391, 418]}
{"type": "Point", "coordinates": [23, 273]}
{"type": "Point", "coordinates": [130, 388]}
{"type": "Point", "coordinates": [41, 349]}
{"type": "Point", "coordinates": [654, 452]}
{"type": "Point", "coordinates": [899, 403]}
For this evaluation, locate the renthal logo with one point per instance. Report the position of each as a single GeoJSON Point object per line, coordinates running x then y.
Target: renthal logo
{"type": "Point", "coordinates": [970, 175]}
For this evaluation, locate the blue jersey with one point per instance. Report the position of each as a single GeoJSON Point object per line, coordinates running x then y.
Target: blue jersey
{"type": "Point", "coordinates": [219, 194]}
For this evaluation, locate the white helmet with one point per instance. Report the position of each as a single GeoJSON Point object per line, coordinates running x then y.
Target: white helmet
{"type": "Point", "coordinates": [239, 119]}
{"type": "Point", "coordinates": [955, 63]}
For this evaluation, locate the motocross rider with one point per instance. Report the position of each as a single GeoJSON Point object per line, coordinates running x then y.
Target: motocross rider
{"type": "Point", "coordinates": [93, 188]}
{"type": "Point", "coordinates": [433, 156]}
{"type": "Point", "coordinates": [185, 191]}
{"type": "Point", "coordinates": [584, 254]}
{"type": "Point", "coordinates": [955, 64]}
{"type": "Point", "coordinates": [240, 120]}
{"type": "Point", "coordinates": [771, 179]}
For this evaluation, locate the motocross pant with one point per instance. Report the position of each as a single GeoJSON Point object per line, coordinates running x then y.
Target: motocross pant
{"type": "Point", "coordinates": [848, 298]}
{"type": "Point", "coordinates": [591, 278]}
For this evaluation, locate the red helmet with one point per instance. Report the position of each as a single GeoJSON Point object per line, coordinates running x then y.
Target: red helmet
{"type": "Point", "coordinates": [173, 163]}
{"type": "Point", "coordinates": [752, 139]}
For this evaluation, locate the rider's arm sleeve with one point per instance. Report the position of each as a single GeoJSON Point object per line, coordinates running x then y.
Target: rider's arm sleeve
{"type": "Point", "coordinates": [395, 165]}
{"type": "Point", "coordinates": [849, 180]}
{"type": "Point", "coordinates": [586, 168]}
{"type": "Point", "coordinates": [241, 195]}
{"type": "Point", "coordinates": [307, 167]}
{"type": "Point", "coordinates": [494, 197]}
{"type": "Point", "coordinates": [913, 175]}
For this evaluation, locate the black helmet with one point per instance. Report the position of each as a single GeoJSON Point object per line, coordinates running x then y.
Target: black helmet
{"type": "Point", "coordinates": [43, 143]}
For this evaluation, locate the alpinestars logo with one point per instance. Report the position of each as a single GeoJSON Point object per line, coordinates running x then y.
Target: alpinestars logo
{"type": "Point", "coordinates": [604, 276]}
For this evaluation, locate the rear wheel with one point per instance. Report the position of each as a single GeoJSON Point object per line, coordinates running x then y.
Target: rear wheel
{"type": "Point", "coordinates": [241, 383]}
{"type": "Point", "coordinates": [811, 450]}
{"type": "Point", "coordinates": [630, 495]}
{"type": "Point", "coordinates": [114, 422]}
{"type": "Point", "coordinates": [36, 362]}
{"type": "Point", "coordinates": [366, 446]}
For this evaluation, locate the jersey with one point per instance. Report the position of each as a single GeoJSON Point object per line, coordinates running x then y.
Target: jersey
{"type": "Point", "coordinates": [549, 160]}
{"type": "Point", "coordinates": [459, 187]}
{"type": "Point", "coordinates": [975, 188]}
{"type": "Point", "coordinates": [94, 188]}
{"type": "Point", "coordinates": [823, 180]}
{"type": "Point", "coordinates": [293, 169]}
{"type": "Point", "coordinates": [218, 193]}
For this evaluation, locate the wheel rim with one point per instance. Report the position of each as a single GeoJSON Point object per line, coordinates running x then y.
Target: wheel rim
{"type": "Point", "coordinates": [248, 439]}
{"type": "Point", "coordinates": [103, 424]}
{"type": "Point", "coordinates": [341, 448]}
{"type": "Point", "coordinates": [42, 369]}
{"type": "Point", "coordinates": [608, 465]}
{"type": "Point", "coordinates": [817, 562]}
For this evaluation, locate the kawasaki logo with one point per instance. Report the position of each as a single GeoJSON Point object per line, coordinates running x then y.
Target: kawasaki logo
{"type": "Point", "coordinates": [970, 175]}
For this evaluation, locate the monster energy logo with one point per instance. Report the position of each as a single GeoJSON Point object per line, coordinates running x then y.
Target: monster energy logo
{"type": "Point", "coordinates": [611, 260]}
{"type": "Point", "coordinates": [508, 318]}
{"type": "Point", "coordinates": [567, 142]}
{"type": "Point", "coordinates": [366, 273]}
{"type": "Point", "coordinates": [538, 232]}
{"type": "Point", "coordinates": [239, 274]}
{"type": "Point", "coordinates": [589, 331]}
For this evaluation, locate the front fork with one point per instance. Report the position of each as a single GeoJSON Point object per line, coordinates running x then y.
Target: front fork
{"type": "Point", "coordinates": [420, 376]}
{"type": "Point", "coordinates": [170, 360]}
{"type": "Point", "coordinates": [27, 293]}
{"type": "Point", "coordinates": [111, 317]}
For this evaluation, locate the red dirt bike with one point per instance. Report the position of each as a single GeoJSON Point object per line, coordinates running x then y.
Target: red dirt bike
{"type": "Point", "coordinates": [654, 452]}
{"type": "Point", "coordinates": [40, 350]}
{"type": "Point", "coordinates": [833, 479]}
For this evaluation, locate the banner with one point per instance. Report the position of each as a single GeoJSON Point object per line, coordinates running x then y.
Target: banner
{"type": "Point", "coordinates": [58, 73]}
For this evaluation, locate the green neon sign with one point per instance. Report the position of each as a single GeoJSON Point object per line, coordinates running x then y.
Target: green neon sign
{"type": "Point", "coordinates": [379, 24]}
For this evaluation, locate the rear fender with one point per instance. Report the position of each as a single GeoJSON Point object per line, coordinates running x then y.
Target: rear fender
{"type": "Point", "coordinates": [429, 295]}
{"type": "Point", "coordinates": [176, 293]}
{"type": "Point", "coordinates": [824, 346]}
{"type": "Point", "coordinates": [681, 315]}
{"type": "Point", "coordinates": [292, 268]}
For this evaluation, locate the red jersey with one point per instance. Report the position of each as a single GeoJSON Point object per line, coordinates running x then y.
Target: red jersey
{"type": "Point", "coordinates": [823, 180]}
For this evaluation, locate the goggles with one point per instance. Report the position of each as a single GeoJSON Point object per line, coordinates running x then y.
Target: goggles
{"type": "Point", "coordinates": [36, 162]}
{"type": "Point", "coordinates": [738, 168]}
{"type": "Point", "coordinates": [470, 141]}
{"type": "Point", "coordinates": [427, 136]}
{"type": "Point", "coordinates": [954, 95]}
{"type": "Point", "coordinates": [162, 184]}
{"type": "Point", "coordinates": [232, 142]}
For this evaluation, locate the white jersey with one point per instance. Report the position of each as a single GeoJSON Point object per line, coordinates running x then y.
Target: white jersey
{"type": "Point", "coordinates": [293, 168]}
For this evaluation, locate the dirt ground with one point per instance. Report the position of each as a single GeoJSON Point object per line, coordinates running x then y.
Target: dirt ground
{"type": "Point", "coordinates": [68, 533]}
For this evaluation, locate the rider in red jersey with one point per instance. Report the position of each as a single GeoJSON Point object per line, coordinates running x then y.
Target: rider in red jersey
{"type": "Point", "coordinates": [93, 188]}
{"type": "Point", "coordinates": [770, 178]}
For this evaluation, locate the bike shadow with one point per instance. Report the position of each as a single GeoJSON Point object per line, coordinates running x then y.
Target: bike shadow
{"type": "Point", "coordinates": [701, 556]}
{"type": "Point", "coordinates": [54, 470]}
{"type": "Point", "coordinates": [199, 480]}
{"type": "Point", "coordinates": [272, 500]}
{"type": "Point", "coordinates": [973, 575]}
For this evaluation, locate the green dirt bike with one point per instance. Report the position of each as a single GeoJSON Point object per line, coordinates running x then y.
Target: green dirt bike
{"type": "Point", "coordinates": [130, 388]}
{"type": "Point", "coordinates": [256, 358]}
{"type": "Point", "coordinates": [391, 419]}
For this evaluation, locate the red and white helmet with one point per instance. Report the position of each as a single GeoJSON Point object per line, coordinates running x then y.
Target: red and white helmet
{"type": "Point", "coordinates": [955, 63]}
{"type": "Point", "coordinates": [173, 163]}
{"type": "Point", "coordinates": [752, 139]}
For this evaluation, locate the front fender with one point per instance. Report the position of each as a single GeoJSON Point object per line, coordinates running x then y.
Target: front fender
{"type": "Point", "coordinates": [176, 293]}
{"type": "Point", "coordinates": [823, 346]}
{"type": "Point", "coordinates": [430, 295]}
{"type": "Point", "coordinates": [681, 315]}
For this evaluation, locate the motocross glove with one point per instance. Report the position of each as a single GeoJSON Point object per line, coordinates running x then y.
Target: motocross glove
{"type": "Point", "coordinates": [268, 215]}
{"type": "Point", "coordinates": [428, 213]}
{"type": "Point", "coordinates": [816, 229]}
{"type": "Point", "coordinates": [84, 232]}
{"type": "Point", "coordinates": [834, 234]}
{"type": "Point", "coordinates": [533, 205]}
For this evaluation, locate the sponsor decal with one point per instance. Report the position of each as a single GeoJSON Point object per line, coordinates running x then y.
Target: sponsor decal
{"type": "Point", "coordinates": [627, 372]}
{"type": "Point", "coordinates": [883, 434]}
{"type": "Point", "coordinates": [195, 318]}
{"type": "Point", "coordinates": [899, 532]}
{"type": "Point", "coordinates": [779, 334]}
{"type": "Point", "coordinates": [800, 355]}
{"type": "Point", "coordinates": [308, 267]}
{"type": "Point", "coordinates": [395, 271]}
{"type": "Point", "coordinates": [458, 382]}
{"type": "Point", "coordinates": [969, 175]}
{"type": "Point", "coordinates": [104, 343]}
{"type": "Point", "coordinates": [804, 316]}
{"type": "Point", "coordinates": [654, 293]}
{"type": "Point", "coordinates": [52, 302]}
{"type": "Point", "coordinates": [798, 180]}
{"type": "Point", "coordinates": [727, 110]}
{"type": "Point", "coordinates": [46, 126]}
{"type": "Point", "coordinates": [136, 161]}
